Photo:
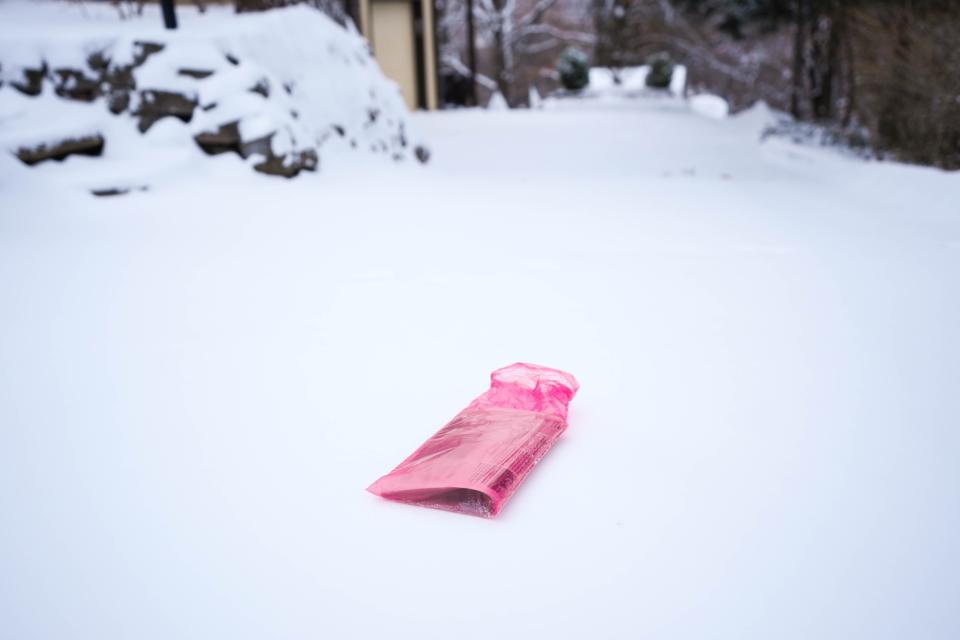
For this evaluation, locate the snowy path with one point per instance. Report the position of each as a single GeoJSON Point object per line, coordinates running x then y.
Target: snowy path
{"type": "Point", "coordinates": [198, 382]}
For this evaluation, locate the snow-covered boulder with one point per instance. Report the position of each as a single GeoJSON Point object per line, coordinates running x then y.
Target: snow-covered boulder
{"type": "Point", "coordinates": [709, 106]}
{"type": "Point", "coordinates": [497, 102]}
{"type": "Point", "coordinates": [273, 87]}
{"type": "Point", "coordinates": [89, 145]}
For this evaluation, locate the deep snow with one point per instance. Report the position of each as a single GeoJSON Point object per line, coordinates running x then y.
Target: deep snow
{"type": "Point", "coordinates": [198, 382]}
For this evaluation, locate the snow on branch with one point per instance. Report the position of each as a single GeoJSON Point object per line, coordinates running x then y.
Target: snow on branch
{"type": "Point", "coordinates": [535, 15]}
{"type": "Point", "coordinates": [455, 63]}
{"type": "Point", "coordinates": [554, 33]}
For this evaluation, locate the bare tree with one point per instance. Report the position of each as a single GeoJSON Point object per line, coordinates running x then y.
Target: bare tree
{"type": "Point", "coordinates": [514, 29]}
{"type": "Point", "coordinates": [823, 62]}
{"type": "Point", "coordinates": [906, 83]}
{"type": "Point", "coordinates": [618, 25]}
{"type": "Point", "coordinates": [714, 39]}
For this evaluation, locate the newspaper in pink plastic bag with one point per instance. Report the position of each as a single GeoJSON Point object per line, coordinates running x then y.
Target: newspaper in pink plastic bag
{"type": "Point", "coordinates": [475, 463]}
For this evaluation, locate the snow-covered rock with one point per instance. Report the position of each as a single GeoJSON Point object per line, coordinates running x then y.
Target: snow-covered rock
{"type": "Point", "coordinates": [534, 101]}
{"type": "Point", "coordinates": [497, 102]}
{"type": "Point", "coordinates": [282, 83]}
{"type": "Point", "coordinates": [678, 81]}
{"type": "Point", "coordinates": [710, 106]}
{"type": "Point", "coordinates": [90, 145]}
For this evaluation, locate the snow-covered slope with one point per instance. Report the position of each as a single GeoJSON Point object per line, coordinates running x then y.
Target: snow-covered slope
{"type": "Point", "coordinates": [286, 85]}
{"type": "Point", "coordinates": [197, 383]}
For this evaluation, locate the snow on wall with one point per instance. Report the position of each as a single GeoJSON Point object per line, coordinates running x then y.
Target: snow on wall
{"type": "Point", "coordinates": [287, 80]}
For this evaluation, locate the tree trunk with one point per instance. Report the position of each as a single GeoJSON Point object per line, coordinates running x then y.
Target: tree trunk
{"type": "Point", "coordinates": [502, 58]}
{"type": "Point", "coordinates": [823, 60]}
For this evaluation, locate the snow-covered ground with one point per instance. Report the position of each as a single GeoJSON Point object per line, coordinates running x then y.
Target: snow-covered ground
{"type": "Point", "coordinates": [198, 381]}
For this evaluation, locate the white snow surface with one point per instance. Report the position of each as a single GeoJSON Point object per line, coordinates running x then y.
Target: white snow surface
{"type": "Point", "coordinates": [199, 381]}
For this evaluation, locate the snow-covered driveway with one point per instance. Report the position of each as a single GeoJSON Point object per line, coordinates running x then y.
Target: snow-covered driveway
{"type": "Point", "coordinates": [197, 382]}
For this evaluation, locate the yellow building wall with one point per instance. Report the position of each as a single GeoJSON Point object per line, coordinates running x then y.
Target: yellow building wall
{"type": "Point", "coordinates": [392, 55]}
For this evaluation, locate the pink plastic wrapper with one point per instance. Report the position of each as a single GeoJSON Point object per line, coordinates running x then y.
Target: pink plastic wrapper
{"type": "Point", "coordinates": [475, 463]}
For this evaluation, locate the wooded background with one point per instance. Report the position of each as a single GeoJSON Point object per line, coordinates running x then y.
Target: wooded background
{"type": "Point", "coordinates": [880, 74]}
{"type": "Point", "coordinates": [883, 75]}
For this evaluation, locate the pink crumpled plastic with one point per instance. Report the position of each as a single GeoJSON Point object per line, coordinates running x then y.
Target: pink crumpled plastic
{"type": "Point", "coordinates": [476, 462]}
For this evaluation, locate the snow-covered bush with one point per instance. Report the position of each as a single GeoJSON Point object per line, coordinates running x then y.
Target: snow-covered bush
{"type": "Point", "coordinates": [574, 69]}
{"type": "Point", "coordinates": [661, 70]}
{"type": "Point", "coordinates": [274, 88]}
